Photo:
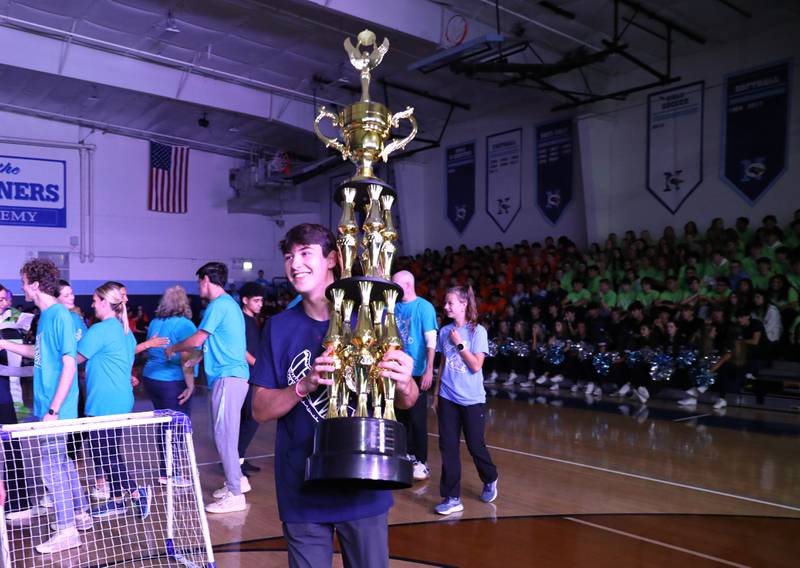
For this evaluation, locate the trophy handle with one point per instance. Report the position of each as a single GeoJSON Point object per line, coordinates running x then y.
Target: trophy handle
{"type": "Point", "coordinates": [400, 144]}
{"type": "Point", "coordinates": [325, 113]}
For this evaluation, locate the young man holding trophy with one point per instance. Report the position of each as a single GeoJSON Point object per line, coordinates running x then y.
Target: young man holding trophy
{"type": "Point", "coordinates": [291, 375]}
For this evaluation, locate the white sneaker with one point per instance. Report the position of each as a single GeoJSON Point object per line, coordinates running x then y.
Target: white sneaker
{"type": "Point", "coordinates": [556, 378]}
{"type": "Point", "coordinates": [750, 376]}
{"type": "Point", "coordinates": [687, 402]}
{"type": "Point", "coordinates": [693, 393]}
{"type": "Point", "coordinates": [83, 522]}
{"type": "Point", "coordinates": [229, 503]}
{"type": "Point", "coordinates": [177, 481]}
{"type": "Point", "coordinates": [623, 390]}
{"type": "Point", "coordinates": [531, 376]}
{"type": "Point", "coordinates": [101, 492]}
{"type": "Point", "coordinates": [721, 403]}
{"type": "Point", "coordinates": [222, 491]}
{"type": "Point", "coordinates": [553, 387]}
{"type": "Point", "coordinates": [421, 471]}
{"type": "Point", "coordinates": [61, 540]}
{"type": "Point", "coordinates": [589, 388]}
{"type": "Point", "coordinates": [642, 394]}
{"type": "Point", "coordinates": [513, 376]}
{"type": "Point", "coordinates": [26, 516]}
{"type": "Point", "coordinates": [541, 380]}
{"type": "Point", "coordinates": [46, 501]}
{"type": "Point", "coordinates": [702, 389]}
{"type": "Point", "coordinates": [526, 384]}
{"type": "Point", "coordinates": [597, 391]}
{"type": "Point", "coordinates": [573, 388]}
{"type": "Point", "coordinates": [509, 382]}
{"type": "Point", "coordinates": [493, 376]}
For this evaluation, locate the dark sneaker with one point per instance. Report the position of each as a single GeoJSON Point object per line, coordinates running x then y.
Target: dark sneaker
{"type": "Point", "coordinates": [108, 509]}
{"type": "Point", "coordinates": [142, 502]}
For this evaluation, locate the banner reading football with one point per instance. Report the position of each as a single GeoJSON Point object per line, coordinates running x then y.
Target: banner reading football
{"type": "Point", "coordinates": [504, 177]}
{"type": "Point", "coordinates": [756, 123]}
{"type": "Point", "coordinates": [675, 144]}
{"type": "Point", "coordinates": [460, 184]}
{"type": "Point", "coordinates": [33, 192]}
{"type": "Point", "coordinates": [554, 168]}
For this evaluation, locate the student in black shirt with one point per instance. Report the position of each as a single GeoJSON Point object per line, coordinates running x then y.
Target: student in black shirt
{"type": "Point", "coordinates": [252, 296]}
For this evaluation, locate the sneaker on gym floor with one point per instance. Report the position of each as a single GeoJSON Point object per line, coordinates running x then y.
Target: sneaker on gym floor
{"type": "Point", "coordinates": [46, 501]}
{"type": "Point", "coordinates": [83, 522]}
{"type": "Point", "coordinates": [721, 403]}
{"type": "Point", "coordinates": [26, 515]}
{"type": "Point", "coordinates": [108, 509]}
{"type": "Point", "coordinates": [509, 382]}
{"type": "Point", "coordinates": [101, 492]}
{"type": "Point", "coordinates": [222, 491]}
{"type": "Point", "coordinates": [553, 387]}
{"type": "Point", "coordinates": [177, 481]}
{"type": "Point", "coordinates": [531, 376]}
{"type": "Point", "coordinates": [61, 540]}
{"type": "Point", "coordinates": [489, 492]}
{"type": "Point", "coordinates": [526, 384]}
{"type": "Point", "coordinates": [573, 388]}
{"type": "Point", "coordinates": [589, 388]}
{"type": "Point", "coordinates": [693, 393]}
{"type": "Point", "coordinates": [229, 503]}
{"type": "Point", "coordinates": [556, 378]}
{"type": "Point", "coordinates": [623, 390]}
{"type": "Point", "coordinates": [449, 506]}
{"type": "Point", "coordinates": [597, 391]}
{"type": "Point", "coordinates": [493, 376]}
{"type": "Point", "coordinates": [421, 471]}
{"type": "Point", "coordinates": [642, 394]}
{"type": "Point", "coordinates": [541, 380]}
{"type": "Point", "coordinates": [142, 503]}
{"type": "Point", "coordinates": [687, 402]}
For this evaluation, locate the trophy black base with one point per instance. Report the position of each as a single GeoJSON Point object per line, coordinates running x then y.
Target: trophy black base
{"type": "Point", "coordinates": [359, 453]}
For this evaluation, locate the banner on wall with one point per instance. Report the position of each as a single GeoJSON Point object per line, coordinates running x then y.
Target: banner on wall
{"type": "Point", "coordinates": [460, 184]}
{"type": "Point", "coordinates": [675, 144]}
{"type": "Point", "coordinates": [504, 177]}
{"type": "Point", "coordinates": [755, 129]}
{"type": "Point", "coordinates": [33, 192]}
{"type": "Point", "coordinates": [554, 168]}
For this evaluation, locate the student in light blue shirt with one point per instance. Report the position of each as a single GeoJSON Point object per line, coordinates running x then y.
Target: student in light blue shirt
{"type": "Point", "coordinates": [222, 336]}
{"type": "Point", "coordinates": [108, 348]}
{"type": "Point", "coordinates": [55, 393]}
{"type": "Point", "coordinates": [459, 399]}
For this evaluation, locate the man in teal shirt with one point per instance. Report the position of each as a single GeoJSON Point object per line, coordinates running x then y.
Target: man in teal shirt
{"type": "Point", "coordinates": [222, 336]}
{"type": "Point", "coordinates": [55, 395]}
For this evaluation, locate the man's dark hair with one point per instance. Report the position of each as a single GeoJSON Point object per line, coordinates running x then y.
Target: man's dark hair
{"type": "Point", "coordinates": [251, 290]}
{"type": "Point", "coordinates": [217, 273]}
{"type": "Point", "coordinates": [309, 234]}
{"type": "Point", "coordinates": [44, 272]}
{"type": "Point", "coordinates": [61, 285]}
{"type": "Point", "coordinates": [2, 288]}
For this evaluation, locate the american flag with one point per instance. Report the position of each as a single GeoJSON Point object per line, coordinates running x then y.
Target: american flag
{"type": "Point", "coordinates": [169, 175]}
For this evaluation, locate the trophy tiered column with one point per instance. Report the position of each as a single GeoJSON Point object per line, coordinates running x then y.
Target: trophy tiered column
{"type": "Point", "coordinates": [363, 444]}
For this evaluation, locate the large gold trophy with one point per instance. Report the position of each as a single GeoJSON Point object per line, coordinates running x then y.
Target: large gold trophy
{"type": "Point", "coordinates": [360, 442]}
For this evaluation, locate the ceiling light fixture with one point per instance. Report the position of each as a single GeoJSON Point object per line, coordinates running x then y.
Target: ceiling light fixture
{"type": "Point", "coordinates": [172, 24]}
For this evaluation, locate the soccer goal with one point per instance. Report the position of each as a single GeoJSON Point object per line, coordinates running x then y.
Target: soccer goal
{"type": "Point", "coordinates": [118, 491]}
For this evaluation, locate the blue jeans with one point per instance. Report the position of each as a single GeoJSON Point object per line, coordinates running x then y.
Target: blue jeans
{"type": "Point", "coordinates": [61, 480]}
{"type": "Point", "coordinates": [164, 395]}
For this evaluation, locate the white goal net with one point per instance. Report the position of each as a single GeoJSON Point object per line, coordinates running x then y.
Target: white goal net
{"type": "Point", "coordinates": [107, 491]}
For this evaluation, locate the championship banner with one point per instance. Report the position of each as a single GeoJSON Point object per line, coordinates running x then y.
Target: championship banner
{"type": "Point", "coordinates": [504, 177]}
{"type": "Point", "coordinates": [675, 144]}
{"type": "Point", "coordinates": [554, 168]}
{"type": "Point", "coordinates": [460, 184]}
{"type": "Point", "coordinates": [33, 192]}
{"type": "Point", "coordinates": [756, 129]}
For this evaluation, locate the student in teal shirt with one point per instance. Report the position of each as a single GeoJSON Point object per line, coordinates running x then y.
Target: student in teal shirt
{"type": "Point", "coordinates": [222, 336]}
{"type": "Point", "coordinates": [55, 395]}
{"type": "Point", "coordinates": [66, 297]}
{"type": "Point", "coordinates": [108, 348]}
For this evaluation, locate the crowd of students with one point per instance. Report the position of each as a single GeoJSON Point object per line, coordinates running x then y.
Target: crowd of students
{"type": "Point", "coordinates": [721, 305]}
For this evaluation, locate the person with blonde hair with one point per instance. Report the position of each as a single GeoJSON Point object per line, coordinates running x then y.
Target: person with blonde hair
{"type": "Point", "coordinates": [168, 381]}
{"type": "Point", "coordinates": [459, 399]}
{"type": "Point", "coordinates": [109, 349]}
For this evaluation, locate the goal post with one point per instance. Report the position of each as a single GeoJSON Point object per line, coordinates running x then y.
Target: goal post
{"type": "Point", "coordinates": [131, 497]}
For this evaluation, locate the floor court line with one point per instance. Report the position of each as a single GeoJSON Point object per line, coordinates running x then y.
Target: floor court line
{"type": "Point", "coordinates": [657, 542]}
{"type": "Point", "coordinates": [693, 417]}
{"type": "Point", "coordinates": [642, 477]}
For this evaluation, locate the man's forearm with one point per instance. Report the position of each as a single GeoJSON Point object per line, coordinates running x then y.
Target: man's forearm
{"type": "Point", "coordinates": [18, 348]}
{"type": "Point", "coordinates": [64, 382]}
{"type": "Point", "coordinates": [271, 404]}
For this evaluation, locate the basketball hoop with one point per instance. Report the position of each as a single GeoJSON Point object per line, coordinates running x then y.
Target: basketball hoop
{"type": "Point", "coordinates": [455, 31]}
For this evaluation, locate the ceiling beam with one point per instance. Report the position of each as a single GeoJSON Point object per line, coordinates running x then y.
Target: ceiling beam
{"type": "Point", "coordinates": [145, 73]}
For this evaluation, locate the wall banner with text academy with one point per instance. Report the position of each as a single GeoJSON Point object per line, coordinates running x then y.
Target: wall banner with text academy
{"type": "Point", "coordinates": [554, 168]}
{"type": "Point", "coordinates": [504, 177]}
{"type": "Point", "coordinates": [675, 144]}
{"type": "Point", "coordinates": [460, 184]}
{"type": "Point", "coordinates": [755, 129]}
{"type": "Point", "coordinates": [33, 192]}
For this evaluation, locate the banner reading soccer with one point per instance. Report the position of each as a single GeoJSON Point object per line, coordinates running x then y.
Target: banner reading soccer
{"type": "Point", "coordinates": [33, 192]}
{"type": "Point", "coordinates": [504, 177]}
{"type": "Point", "coordinates": [460, 184]}
{"type": "Point", "coordinates": [675, 144]}
{"type": "Point", "coordinates": [756, 126]}
{"type": "Point", "coordinates": [554, 168]}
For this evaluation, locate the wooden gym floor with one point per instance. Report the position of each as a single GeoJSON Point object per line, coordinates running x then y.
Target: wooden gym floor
{"type": "Point", "coordinates": [582, 483]}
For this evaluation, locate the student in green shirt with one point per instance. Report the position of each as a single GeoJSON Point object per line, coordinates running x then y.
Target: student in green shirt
{"type": "Point", "coordinates": [794, 276]}
{"type": "Point", "coordinates": [763, 273]}
{"type": "Point", "coordinates": [593, 279]}
{"type": "Point", "coordinates": [692, 262]}
{"type": "Point", "coordinates": [626, 295]}
{"type": "Point", "coordinates": [721, 292]}
{"type": "Point", "coordinates": [647, 296]}
{"type": "Point", "coordinates": [695, 295]}
{"type": "Point", "coordinates": [579, 296]}
{"type": "Point", "coordinates": [792, 239]}
{"type": "Point", "coordinates": [782, 294]}
{"type": "Point", "coordinates": [750, 262]}
{"type": "Point", "coordinates": [672, 296]}
{"type": "Point", "coordinates": [606, 295]}
{"type": "Point", "coordinates": [718, 266]}
{"type": "Point", "coordinates": [744, 231]}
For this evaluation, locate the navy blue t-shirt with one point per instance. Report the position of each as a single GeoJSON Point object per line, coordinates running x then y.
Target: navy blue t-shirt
{"type": "Point", "coordinates": [290, 342]}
